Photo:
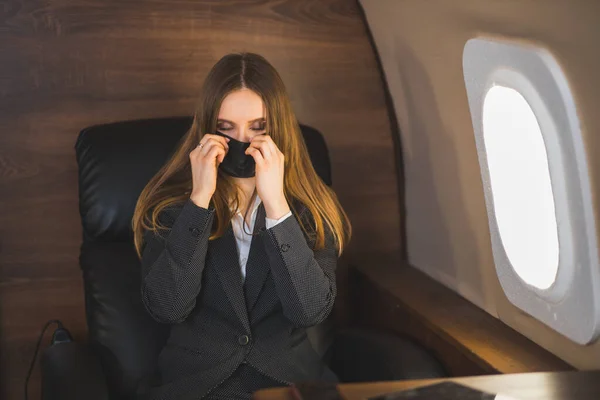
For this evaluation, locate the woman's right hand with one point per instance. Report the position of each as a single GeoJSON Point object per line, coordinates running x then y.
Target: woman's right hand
{"type": "Point", "coordinates": [205, 160]}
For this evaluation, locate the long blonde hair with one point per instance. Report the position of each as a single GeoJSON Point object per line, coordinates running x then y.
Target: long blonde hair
{"type": "Point", "coordinates": [172, 184]}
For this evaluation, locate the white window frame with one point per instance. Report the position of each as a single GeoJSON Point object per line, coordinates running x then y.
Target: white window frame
{"type": "Point", "coordinates": [571, 306]}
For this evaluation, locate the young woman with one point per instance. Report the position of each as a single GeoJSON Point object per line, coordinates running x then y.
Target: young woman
{"type": "Point", "coordinates": [238, 239]}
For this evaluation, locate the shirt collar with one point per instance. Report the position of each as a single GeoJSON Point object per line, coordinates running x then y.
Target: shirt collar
{"type": "Point", "coordinates": [255, 205]}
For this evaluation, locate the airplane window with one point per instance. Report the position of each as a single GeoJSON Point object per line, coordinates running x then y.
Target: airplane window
{"type": "Point", "coordinates": [536, 183]}
{"type": "Point", "coordinates": [521, 186]}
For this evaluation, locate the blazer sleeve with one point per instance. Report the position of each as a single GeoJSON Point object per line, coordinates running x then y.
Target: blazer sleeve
{"type": "Point", "coordinates": [304, 279]}
{"type": "Point", "coordinates": [173, 261]}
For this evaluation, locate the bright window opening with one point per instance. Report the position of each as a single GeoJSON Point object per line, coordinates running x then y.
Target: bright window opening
{"type": "Point", "coordinates": [521, 186]}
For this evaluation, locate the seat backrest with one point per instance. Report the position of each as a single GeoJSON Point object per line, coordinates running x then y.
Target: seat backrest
{"type": "Point", "coordinates": [115, 162]}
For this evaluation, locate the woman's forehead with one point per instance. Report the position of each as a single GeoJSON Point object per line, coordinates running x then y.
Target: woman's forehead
{"type": "Point", "coordinates": [242, 106]}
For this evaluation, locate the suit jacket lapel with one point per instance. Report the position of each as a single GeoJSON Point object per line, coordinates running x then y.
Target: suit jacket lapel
{"type": "Point", "coordinates": [257, 266]}
{"type": "Point", "coordinates": [228, 269]}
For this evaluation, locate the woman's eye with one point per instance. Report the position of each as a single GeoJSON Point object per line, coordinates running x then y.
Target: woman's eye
{"type": "Point", "coordinates": [224, 127]}
{"type": "Point", "coordinates": [258, 127]}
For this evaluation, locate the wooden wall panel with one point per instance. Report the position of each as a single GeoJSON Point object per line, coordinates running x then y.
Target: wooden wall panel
{"type": "Point", "coordinates": [65, 65]}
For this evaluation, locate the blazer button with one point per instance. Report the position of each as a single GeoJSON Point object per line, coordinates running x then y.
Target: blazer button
{"type": "Point", "coordinates": [285, 247]}
{"type": "Point", "coordinates": [195, 231]}
{"type": "Point", "coordinates": [243, 340]}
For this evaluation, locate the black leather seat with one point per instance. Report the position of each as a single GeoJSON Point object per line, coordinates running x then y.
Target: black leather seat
{"type": "Point", "coordinates": [115, 162]}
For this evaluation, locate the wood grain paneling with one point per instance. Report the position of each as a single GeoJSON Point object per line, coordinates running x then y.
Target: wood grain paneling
{"type": "Point", "coordinates": [65, 65]}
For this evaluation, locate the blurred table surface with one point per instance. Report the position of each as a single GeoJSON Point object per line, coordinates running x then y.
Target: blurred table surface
{"type": "Point", "coordinates": [571, 385]}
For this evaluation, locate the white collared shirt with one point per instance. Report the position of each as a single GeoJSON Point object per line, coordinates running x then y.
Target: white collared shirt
{"type": "Point", "coordinates": [243, 239]}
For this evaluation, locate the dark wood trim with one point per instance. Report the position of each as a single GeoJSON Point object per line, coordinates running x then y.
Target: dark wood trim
{"type": "Point", "coordinates": [465, 338]}
{"type": "Point", "coordinates": [580, 385]}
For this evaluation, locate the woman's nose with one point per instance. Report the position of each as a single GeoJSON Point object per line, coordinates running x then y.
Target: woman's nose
{"type": "Point", "coordinates": [244, 135]}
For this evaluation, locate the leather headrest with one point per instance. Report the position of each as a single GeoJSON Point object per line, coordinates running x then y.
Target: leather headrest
{"type": "Point", "coordinates": [116, 161]}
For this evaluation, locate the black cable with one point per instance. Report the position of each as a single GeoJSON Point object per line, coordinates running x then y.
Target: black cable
{"type": "Point", "coordinates": [37, 348]}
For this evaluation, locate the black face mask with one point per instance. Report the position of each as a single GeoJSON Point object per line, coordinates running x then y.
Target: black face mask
{"type": "Point", "coordinates": [236, 163]}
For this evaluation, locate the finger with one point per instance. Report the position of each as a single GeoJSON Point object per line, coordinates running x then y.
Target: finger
{"type": "Point", "coordinates": [210, 144]}
{"type": "Point", "coordinates": [199, 154]}
{"type": "Point", "coordinates": [263, 136]}
{"type": "Point", "coordinates": [262, 150]}
{"type": "Point", "coordinates": [256, 154]}
{"type": "Point", "coordinates": [214, 139]}
{"type": "Point", "coordinates": [263, 147]}
{"type": "Point", "coordinates": [216, 153]}
{"type": "Point", "coordinates": [220, 138]}
{"type": "Point", "coordinates": [208, 138]}
{"type": "Point", "coordinates": [268, 141]}
{"type": "Point", "coordinates": [221, 155]}
{"type": "Point", "coordinates": [204, 148]}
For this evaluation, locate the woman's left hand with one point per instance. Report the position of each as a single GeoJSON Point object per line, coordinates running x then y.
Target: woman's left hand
{"type": "Point", "coordinates": [269, 175]}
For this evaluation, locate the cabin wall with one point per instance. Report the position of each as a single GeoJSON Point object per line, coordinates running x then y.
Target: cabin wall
{"type": "Point", "coordinates": [421, 45]}
{"type": "Point", "coordinates": [68, 65]}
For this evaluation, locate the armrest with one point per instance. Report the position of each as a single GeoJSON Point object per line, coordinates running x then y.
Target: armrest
{"type": "Point", "coordinates": [71, 371]}
{"type": "Point", "coordinates": [360, 355]}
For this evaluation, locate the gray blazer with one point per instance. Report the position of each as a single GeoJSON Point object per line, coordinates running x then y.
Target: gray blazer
{"type": "Point", "coordinates": [219, 320]}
